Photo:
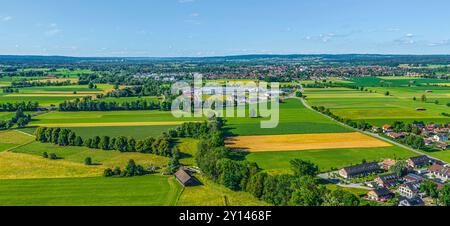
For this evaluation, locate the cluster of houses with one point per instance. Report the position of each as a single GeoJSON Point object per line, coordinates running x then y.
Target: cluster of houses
{"type": "Point", "coordinates": [407, 188]}
{"type": "Point", "coordinates": [434, 135]}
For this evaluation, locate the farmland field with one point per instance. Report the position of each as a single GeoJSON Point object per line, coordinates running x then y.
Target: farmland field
{"type": "Point", "coordinates": [294, 119]}
{"type": "Point", "coordinates": [25, 166]}
{"type": "Point", "coordinates": [378, 109]}
{"type": "Point", "coordinates": [123, 118]}
{"type": "Point", "coordinates": [304, 142]}
{"type": "Point", "coordinates": [11, 139]}
{"type": "Point", "coordinates": [137, 191]}
{"type": "Point", "coordinates": [326, 159]}
{"type": "Point", "coordinates": [102, 159]}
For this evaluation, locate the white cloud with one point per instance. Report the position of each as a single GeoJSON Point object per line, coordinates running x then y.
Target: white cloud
{"type": "Point", "coordinates": [6, 18]}
{"type": "Point", "coordinates": [440, 43]}
{"type": "Point", "coordinates": [407, 39]}
{"type": "Point", "coordinates": [185, 1]}
{"type": "Point", "coordinates": [194, 15]}
{"type": "Point", "coordinates": [52, 30]}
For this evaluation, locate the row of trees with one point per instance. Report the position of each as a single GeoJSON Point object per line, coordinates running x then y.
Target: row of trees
{"type": "Point", "coordinates": [301, 189]}
{"type": "Point", "coordinates": [24, 106]}
{"type": "Point", "coordinates": [10, 90]}
{"type": "Point", "coordinates": [26, 83]}
{"type": "Point", "coordinates": [87, 104]}
{"type": "Point", "coordinates": [20, 119]}
{"type": "Point", "coordinates": [149, 88]}
{"type": "Point", "coordinates": [65, 137]}
{"type": "Point", "coordinates": [355, 124]}
{"type": "Point", "coordinates": [131, 170]}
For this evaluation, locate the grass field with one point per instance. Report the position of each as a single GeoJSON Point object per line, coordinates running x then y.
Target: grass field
{"type": "Point", "coordinates": [211, 194]}
{"type": "Point", "coordinates": [103, 159]}
{"type": "Point", "coordinates": [394, 81]}
{"type": "Point", "coordinates": [25, 166]}
{"type": "Point", "coordinates": [297, 142]}
{"type": "Point", "coordinates": [11, 139]}
{"type": "Point", "coordinates": [294, 119]}
{"type": "Point", "coordinates": [378, 109]}
{"type": "Point", "coordinates": [326, 159]}
{"type": "Point", "coordinates": [137, 191]}
{"type": "Point", "coordinates": [52, 95]}
{"type": "Point", "coordinates": [188, 148]}
{"type": "Point", "coordinates": [138, 132]}
{"type": "Point", "coordinates": [118, 118]}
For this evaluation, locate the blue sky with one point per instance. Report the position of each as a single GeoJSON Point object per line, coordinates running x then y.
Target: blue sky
{"type": "Point", "coordinates": [222, 27]}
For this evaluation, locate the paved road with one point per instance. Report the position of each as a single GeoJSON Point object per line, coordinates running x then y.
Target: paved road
{"type": "Point", "coordinates": [368, 133]}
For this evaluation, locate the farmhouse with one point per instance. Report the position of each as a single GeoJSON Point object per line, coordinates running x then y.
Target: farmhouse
{"type": "Point", "coordinates": [387, 128]}
{"type": "Point", "coordinates": [419, 161]}
{"type": "Point", "coordinates": [421, 109]}
{"type": "Point", "coordinates": [395, 135]}
{"type": "Point", "coordinates": [359, 170]}
{"type": "Point", "coordinates": [379, 195]}
{"type": "Point", "coordinates": [388, 180]}
{"type": "Point", "coordinates": [185, 178]}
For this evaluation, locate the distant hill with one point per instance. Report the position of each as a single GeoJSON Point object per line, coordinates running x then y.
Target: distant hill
{"type": "Point", "coordinates": [338, 58]}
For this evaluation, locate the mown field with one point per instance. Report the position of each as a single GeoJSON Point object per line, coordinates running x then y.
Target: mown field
{"type": "Point", "coordinates": [394, 81]}
{"type": "Point", "coordinates": [137, 191]}
{"type": "Point", "coordinates": [378, 109]}
{"type": "Point", "coordinates": [294, 119]}
{"type": "Point", "coordinates": [326, 159]}
{"type": "Point", "coordinates": [52, 95]}
{"type": "Point", "coordinates": [11, 139]}
{"type": "Point", "coordinates": [97, 118]}
{"type": "Point", "coordinates": [102, 159]}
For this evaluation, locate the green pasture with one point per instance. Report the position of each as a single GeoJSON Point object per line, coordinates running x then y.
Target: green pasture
{"type": "Point", "coordinates": [108, 117]}
{"type": "Point", "coordinates": [394, 81]}
{"type": "Point", "coordinates": [152, 190]}
{"type": "Point", "coordinates": [294, 119]}
{"type": "Point", "coordinates": [101, 158]}
{"type": "Point", "coordinates": [327, 159]}
{"type": "Point", "coordinates": [379, 109]}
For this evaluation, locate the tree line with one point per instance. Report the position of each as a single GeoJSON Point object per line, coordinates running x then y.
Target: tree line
{"type": "Point", "coordinates": [25, 83]}
{"type": "Point", "coordinates": [20, 119]}
{"type": "Point", "coordinates": [87, 104]}
{"type": "Point", "coordinates": [24, 106]}
{"type": "Point", "coordinates": [66, 137]}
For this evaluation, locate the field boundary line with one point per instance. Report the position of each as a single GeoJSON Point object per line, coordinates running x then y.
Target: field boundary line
{"type": "Point", "coordinates": [24, 133]}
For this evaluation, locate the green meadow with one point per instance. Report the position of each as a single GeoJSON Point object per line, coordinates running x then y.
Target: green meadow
{"type": "Point", "coordinates": [152, 190]}
{"type": "Point", "coordinates": [393, 81]}
{"type": "Point", "coordinates": [294, 119]}
{"type": "Point", "coordinates": [327, 159]}
{"type": "Point", "coordinates": [376, 108]}
{"type": "Point", "coordinates": [107, 117]}
{"type": "Point", "coordinates": [102, 159]}
{"type": "Point", "coordinates": [137, 132]}
{"type": "Point", "coordinates": [45, 101]}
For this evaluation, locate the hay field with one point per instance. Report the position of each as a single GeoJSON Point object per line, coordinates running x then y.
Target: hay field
{"type": "Point", "coordinates": [298, 142]}
{"type": "Point", "coordinates": [109, 124]}
{"type": "Point", "coordinates": [24, 166]}
{"type": "Point", "coordinates": [10, 139]}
